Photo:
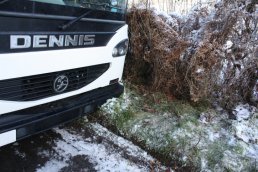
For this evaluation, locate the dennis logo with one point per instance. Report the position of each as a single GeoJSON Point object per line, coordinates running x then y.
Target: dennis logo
{"type": "Point", "coordinates": [50, 41]}
{"type": "Point", "coordinates": [61, 83]}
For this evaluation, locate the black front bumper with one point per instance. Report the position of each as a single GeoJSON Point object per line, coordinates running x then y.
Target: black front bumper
{"type": "Point", "coordinates": [33, 120]}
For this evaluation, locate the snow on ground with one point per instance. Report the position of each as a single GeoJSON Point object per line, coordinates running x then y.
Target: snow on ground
{"type": "Point", "coordinates": [100, 155]}
{"type": "Point", "coordinates": [246, 129]}
{"type": "Point", "coordinates": [122, 143]}
{"type": "Point", "coordinates": [210, 140]}
{"type": "Point", "coordinates": [237, 139]}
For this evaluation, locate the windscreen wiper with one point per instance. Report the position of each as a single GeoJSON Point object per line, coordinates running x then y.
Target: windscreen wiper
{"type": "Point", "coordinates": [70, 23]}
{"type": "Point", "coordinates": [105, 5]}
{"type": "Point", "coordinates": [76, 19]}
{"type": "Point", "coordinates": [3, 1]}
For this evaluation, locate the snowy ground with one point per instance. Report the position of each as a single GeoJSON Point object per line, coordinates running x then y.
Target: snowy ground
{"type": "Point", "coordinates": [211, 139]}
{"type": "Point", "coordinates": [80, 146]}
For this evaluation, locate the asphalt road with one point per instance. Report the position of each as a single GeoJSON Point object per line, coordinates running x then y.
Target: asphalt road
{"type": "Point", "coordinates": [77, 146]}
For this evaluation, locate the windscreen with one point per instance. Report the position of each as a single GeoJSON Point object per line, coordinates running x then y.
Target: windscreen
{"type": "Point", "coordinates": [116, 6]}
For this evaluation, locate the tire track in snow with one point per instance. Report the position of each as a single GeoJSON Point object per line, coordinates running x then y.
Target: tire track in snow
{"type": "Point", "coordinates": [109, 155]}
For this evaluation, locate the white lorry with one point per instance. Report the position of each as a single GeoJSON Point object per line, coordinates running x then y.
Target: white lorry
{"type": "Point", "coordinates": [59, 59]}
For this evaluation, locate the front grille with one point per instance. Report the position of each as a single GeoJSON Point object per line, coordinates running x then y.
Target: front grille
{"type": "Point", "coordinates": [41, 86]}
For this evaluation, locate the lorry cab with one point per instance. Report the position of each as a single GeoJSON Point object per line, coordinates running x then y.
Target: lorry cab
{"type": "Point", "coordinates": [59, 59]}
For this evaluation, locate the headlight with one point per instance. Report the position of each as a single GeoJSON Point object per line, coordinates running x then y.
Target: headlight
{"type": "Point", "coordinates": [120, 49]}
{"type": "Point", "coordinates": [115, 52]}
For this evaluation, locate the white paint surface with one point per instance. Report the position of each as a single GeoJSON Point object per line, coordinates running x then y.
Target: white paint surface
{"type": "Point", "coordinates": [7, 137]}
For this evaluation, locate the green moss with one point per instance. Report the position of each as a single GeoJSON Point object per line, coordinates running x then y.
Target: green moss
{"type": "Point", "coordinates": [188, 122]}
{"type": "Point", "coordinates": [120, 117]}
{"type": "Point", "coordinates": [201, 106]}
{"type": "Point", "coordinates": [238, 149]}
{"type": "Point", "coordinates": [216, 153]}
{"type": "Point", "coordinates": [181, 108]}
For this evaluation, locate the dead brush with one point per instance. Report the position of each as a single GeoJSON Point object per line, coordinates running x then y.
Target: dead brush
{"type": "Point", "coordinates": [221, 65]}
{"type": "Point", "coordinates": [156, 46]}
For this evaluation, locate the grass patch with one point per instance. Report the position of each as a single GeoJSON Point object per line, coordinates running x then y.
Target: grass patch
{"type": "Point", "coordinates": [160, 103]}
{"type": "Point", "coordinates": [215, 153]}
{"type": "Point", "coordinates": [122, 118]}
{"type": "Point", "coordinates": [143, 119]}
{"type": "Point", "coordinates": [172, 130]}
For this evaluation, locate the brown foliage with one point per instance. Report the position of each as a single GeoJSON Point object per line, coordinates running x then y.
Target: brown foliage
{"type": "Point", "coordinates": [156, 48]}
{"type": "Point", "coordinates": [208, 57]}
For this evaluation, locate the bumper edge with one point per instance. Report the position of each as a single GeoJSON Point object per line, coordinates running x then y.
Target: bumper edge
{"type": "Point", "coordinates": [37, 119]}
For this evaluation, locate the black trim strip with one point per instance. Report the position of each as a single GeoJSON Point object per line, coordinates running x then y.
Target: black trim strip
{"type": "Point", "coordinates": [56, 17]}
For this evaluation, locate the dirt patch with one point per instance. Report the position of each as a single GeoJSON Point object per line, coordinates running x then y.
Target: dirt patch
{"type": "Point", "coordinates": [79, 163]}
{"type": "Point", "coordinates": [24, 155]}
